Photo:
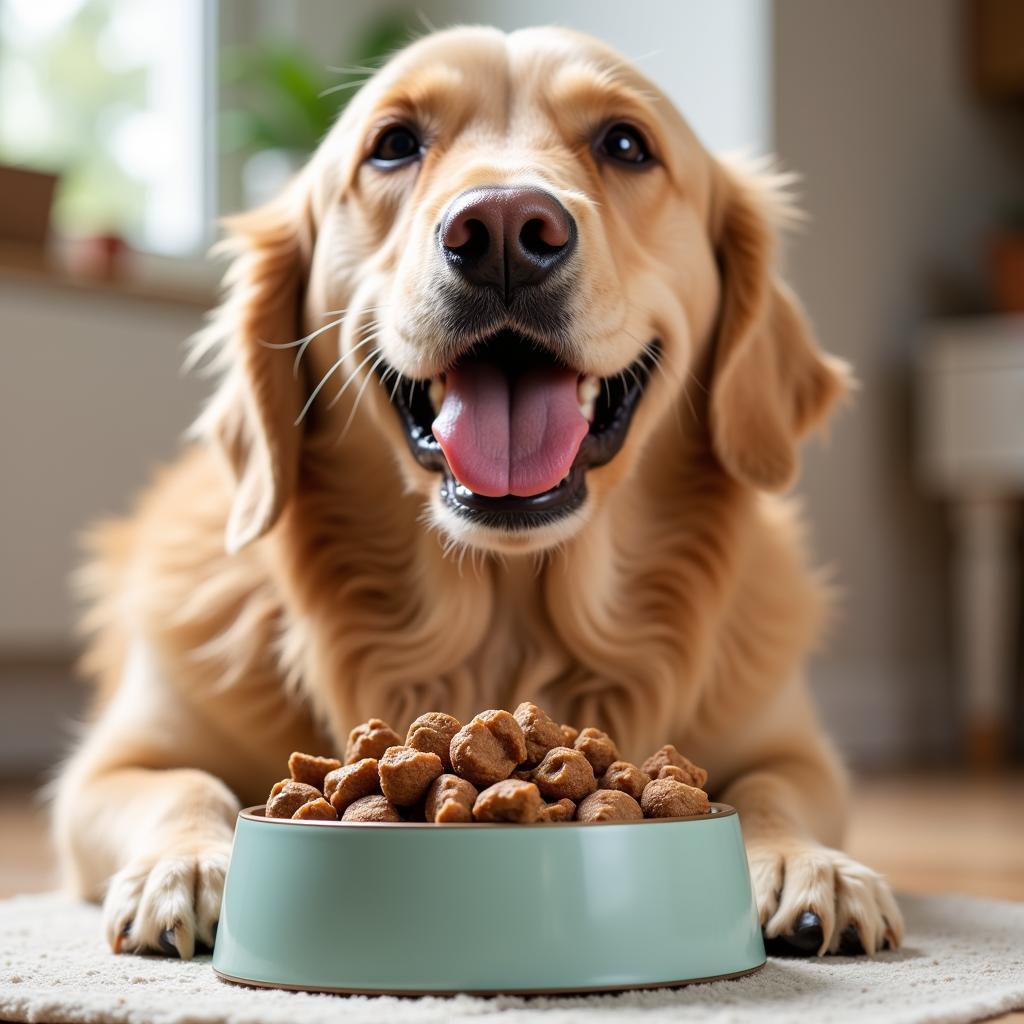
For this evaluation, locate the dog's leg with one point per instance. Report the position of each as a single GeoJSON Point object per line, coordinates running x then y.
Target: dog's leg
{"type": "Point", "coordinates": [811, 897]}
{"type": "Point", "coordinates": [152, 841]}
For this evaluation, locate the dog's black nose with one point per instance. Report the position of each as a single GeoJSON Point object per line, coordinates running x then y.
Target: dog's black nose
{"type": "Point", "coordinates": [506, 237]}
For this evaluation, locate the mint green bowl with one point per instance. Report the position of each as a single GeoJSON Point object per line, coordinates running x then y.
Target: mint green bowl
{"type": "Point", "coordinates": [411, 909]}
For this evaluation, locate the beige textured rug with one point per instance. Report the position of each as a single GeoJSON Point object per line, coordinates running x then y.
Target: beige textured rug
{"type": "Point", "coordinates": [963, 961]}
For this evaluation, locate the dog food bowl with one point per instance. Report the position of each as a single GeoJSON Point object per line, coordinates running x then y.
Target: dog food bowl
{"type": "Point", "coordinates": [409, 909]}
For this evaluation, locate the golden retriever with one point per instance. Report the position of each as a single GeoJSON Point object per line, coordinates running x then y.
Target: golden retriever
{"type": "Point", "coordinates": [506, 379]}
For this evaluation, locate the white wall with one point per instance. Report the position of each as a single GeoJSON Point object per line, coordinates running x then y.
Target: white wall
{"type": "Point", "coordinates": [902, 170]}
{"type": "Point", "coordinates": [712, 57]}
{"type": "Point", "coordinates": [91, 401]}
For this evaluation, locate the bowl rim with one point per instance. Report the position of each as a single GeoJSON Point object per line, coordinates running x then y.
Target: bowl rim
{"type": "Point", "coordinates": [255, 813]}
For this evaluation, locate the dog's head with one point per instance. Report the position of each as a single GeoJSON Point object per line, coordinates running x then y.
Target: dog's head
{"type": "Point", "coordinates": [525, 263]}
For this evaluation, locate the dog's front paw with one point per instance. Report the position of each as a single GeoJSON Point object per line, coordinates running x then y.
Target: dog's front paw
{"type": "Point", "coordinates": [167, 903]}
{"type": "Point", "coordinates": [814, 900]}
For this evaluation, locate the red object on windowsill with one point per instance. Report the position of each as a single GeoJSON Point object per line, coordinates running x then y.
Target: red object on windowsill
{"type": "Point", "coordinates": [1006, 270]}
{"type": "Point", "coordinates": [100, 257]}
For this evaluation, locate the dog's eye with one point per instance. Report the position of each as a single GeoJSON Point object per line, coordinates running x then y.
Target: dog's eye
{"type": "Point", "coordinates": [397, 145]}
{"type": "Point", "coordinates": [624, 143]}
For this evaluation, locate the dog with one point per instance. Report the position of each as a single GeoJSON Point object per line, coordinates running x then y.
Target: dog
{"type": "Point", "coordinates": [507, 388]}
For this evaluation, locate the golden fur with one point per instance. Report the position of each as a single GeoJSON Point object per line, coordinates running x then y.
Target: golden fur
{"type": "Point", "coordinates": [281, 583]}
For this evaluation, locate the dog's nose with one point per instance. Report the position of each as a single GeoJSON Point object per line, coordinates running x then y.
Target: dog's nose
{"type": "Point", "coordinates": [506, 237]}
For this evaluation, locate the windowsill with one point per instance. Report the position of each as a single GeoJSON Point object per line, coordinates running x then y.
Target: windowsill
{"type": "Point", "coordinates": [177, 282]}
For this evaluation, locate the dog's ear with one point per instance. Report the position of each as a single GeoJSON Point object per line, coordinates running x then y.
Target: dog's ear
{"type": "Point", "coordinates": [770, 383]}
{"type": "Point", "coordinates": [251, 418]}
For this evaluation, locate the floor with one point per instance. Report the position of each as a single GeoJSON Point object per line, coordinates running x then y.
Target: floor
{"type": "Point", "coordinates": [927, 834]}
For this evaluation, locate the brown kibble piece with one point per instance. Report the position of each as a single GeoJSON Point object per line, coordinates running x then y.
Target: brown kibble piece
{"type": "Point", "coordinates": [450, 800]}
{"type": "Point", "coordinates": [309, 769]}
{"type": "Point", "coordinates": [406, 774]}
{"type": "Point", "coordinates": [370, 739]}
{"type": "Point", "coordinates": [564, 773]}
{"type": "Point", "coordinates": [673, 771]}
{"type": "Point", "coordinates": [351, 782]}
{"type": "Point", "coordinates": [488, 748]}
{"type": "Point", "coordinates": [561, 810]}
{"type": "Point", "coordinates": [433, 733]}
{"type": "Point", "coordinates": [288, 796]}
{"type": "Point", "coordinates": [667, 798]}
{"type": "Point", "coordinates": [668, 755]}
{"type": "Point", "coordinates": [371, 808]}
{"type": "Point", "coordinates": [509, 800]}
{"type": "Point", "coordinates": [626, 778]}
{"type": "Point", "coordinates": [609, 805]}
{"type": "Point", "coordinates": [539, 730]}
{"type": "Point", "coordinates": [316, 810]}
{"type": "Point", "coordinates": [569, 735]}
{"type": "Point", "coordinates": [597, 747]}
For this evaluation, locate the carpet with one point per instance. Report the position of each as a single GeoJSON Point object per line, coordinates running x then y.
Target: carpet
{"type": "Point", "coordinates": [963, 961]}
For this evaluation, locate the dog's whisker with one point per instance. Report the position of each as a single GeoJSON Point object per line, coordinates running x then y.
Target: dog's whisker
{"type": "Point", "coordinates": [316, 391]}
{"type": "Point", "coordinates": [356, 84]}
{"type": "Point", "coordinates": [427, 24]}
{"type": "Point", "coordinates": [335, 366]}
{"type": "Point", "coordinates": [352, 376]}
{"type": "Point", "coordinates": [302, 344]}
{"type": "Point", "coordinates": [359, 396]}
{"type": "Point", "coordinates": [364, 309]}
{"type": "Point", "coordinates": [398, 381]}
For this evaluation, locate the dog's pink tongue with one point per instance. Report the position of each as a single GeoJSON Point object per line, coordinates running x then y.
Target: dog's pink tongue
{"type": "Point", "coordinates": [506, 435]}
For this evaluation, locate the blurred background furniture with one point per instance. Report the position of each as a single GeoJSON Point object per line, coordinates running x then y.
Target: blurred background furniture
{"type": "Point", "coordinates": [971, 436]}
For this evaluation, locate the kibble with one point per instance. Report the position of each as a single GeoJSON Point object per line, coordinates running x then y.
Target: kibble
{"type": "Point", "coordinates": [488, 748]}
{"type": "Point", "coordinates": [667, 798]}
{"type": "Point", "coordinates": [371, 808]}
{"type": "Point", "coordinates": [625, 777]}
{"type": "Point", "coordinates": [560, 810]}
{"type": "Point", "coordinates": [564, 773]}
{"type": "Point", "coordinates": [311, 770]}
{"type": "Point", "coordinates": [609, 805]}
{"type": "Point", "coordinates": [498, 768]}
{"type": "Point", "coordinates": [288, 796]}
{"type": "Point", "coordinates": [597, 747]}
{"type": "Point", "coordinates": [450, 800]}
{"type": "Point", "coordinates": [316, 810]}
{"type": "Point", "coordinates": [370, 739]}
{"type": "Point", "coordinates": [351, 782]}
{"type": "Point", "coordinates": [508, 800]}
{"type": "Point", "coordinates": [540, 731]}
{"type": "Point", "coordinates": [433, 734]}
{"type": "Point", "coordinates": [406, 774]}
{"type": "Point", "coordinates": [669, 756]}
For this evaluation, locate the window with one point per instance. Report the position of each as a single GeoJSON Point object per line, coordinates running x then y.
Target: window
{"type": "Point", "coordinates": [113, 96]}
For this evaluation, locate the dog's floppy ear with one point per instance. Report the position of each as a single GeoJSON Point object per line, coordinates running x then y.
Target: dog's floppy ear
{"type": "Point", "coordinates": [770, 383]}
{"type": "Point", "coordinates": [251, 418]}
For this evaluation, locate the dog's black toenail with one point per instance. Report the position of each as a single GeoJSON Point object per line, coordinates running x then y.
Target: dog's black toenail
{"type": "Point", "coordinates": [167, 942]}
{"type": "Point", "coordinates": [849, 941]}
{"type": "Point", "coordinates": [205, 947]}
{"type": "Point", "coordinates": [804, 940]}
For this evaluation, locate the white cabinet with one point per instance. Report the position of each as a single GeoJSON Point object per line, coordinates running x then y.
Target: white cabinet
{"type": "Point", "coordinates": [971, 452]}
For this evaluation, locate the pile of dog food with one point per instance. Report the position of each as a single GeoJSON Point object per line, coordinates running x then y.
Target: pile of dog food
{"type": "Point", "coordinates": [521, 767]}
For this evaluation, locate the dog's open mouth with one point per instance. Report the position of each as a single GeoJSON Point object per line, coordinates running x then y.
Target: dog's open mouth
{"type": "Point", "coordinates": [514, 430]}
